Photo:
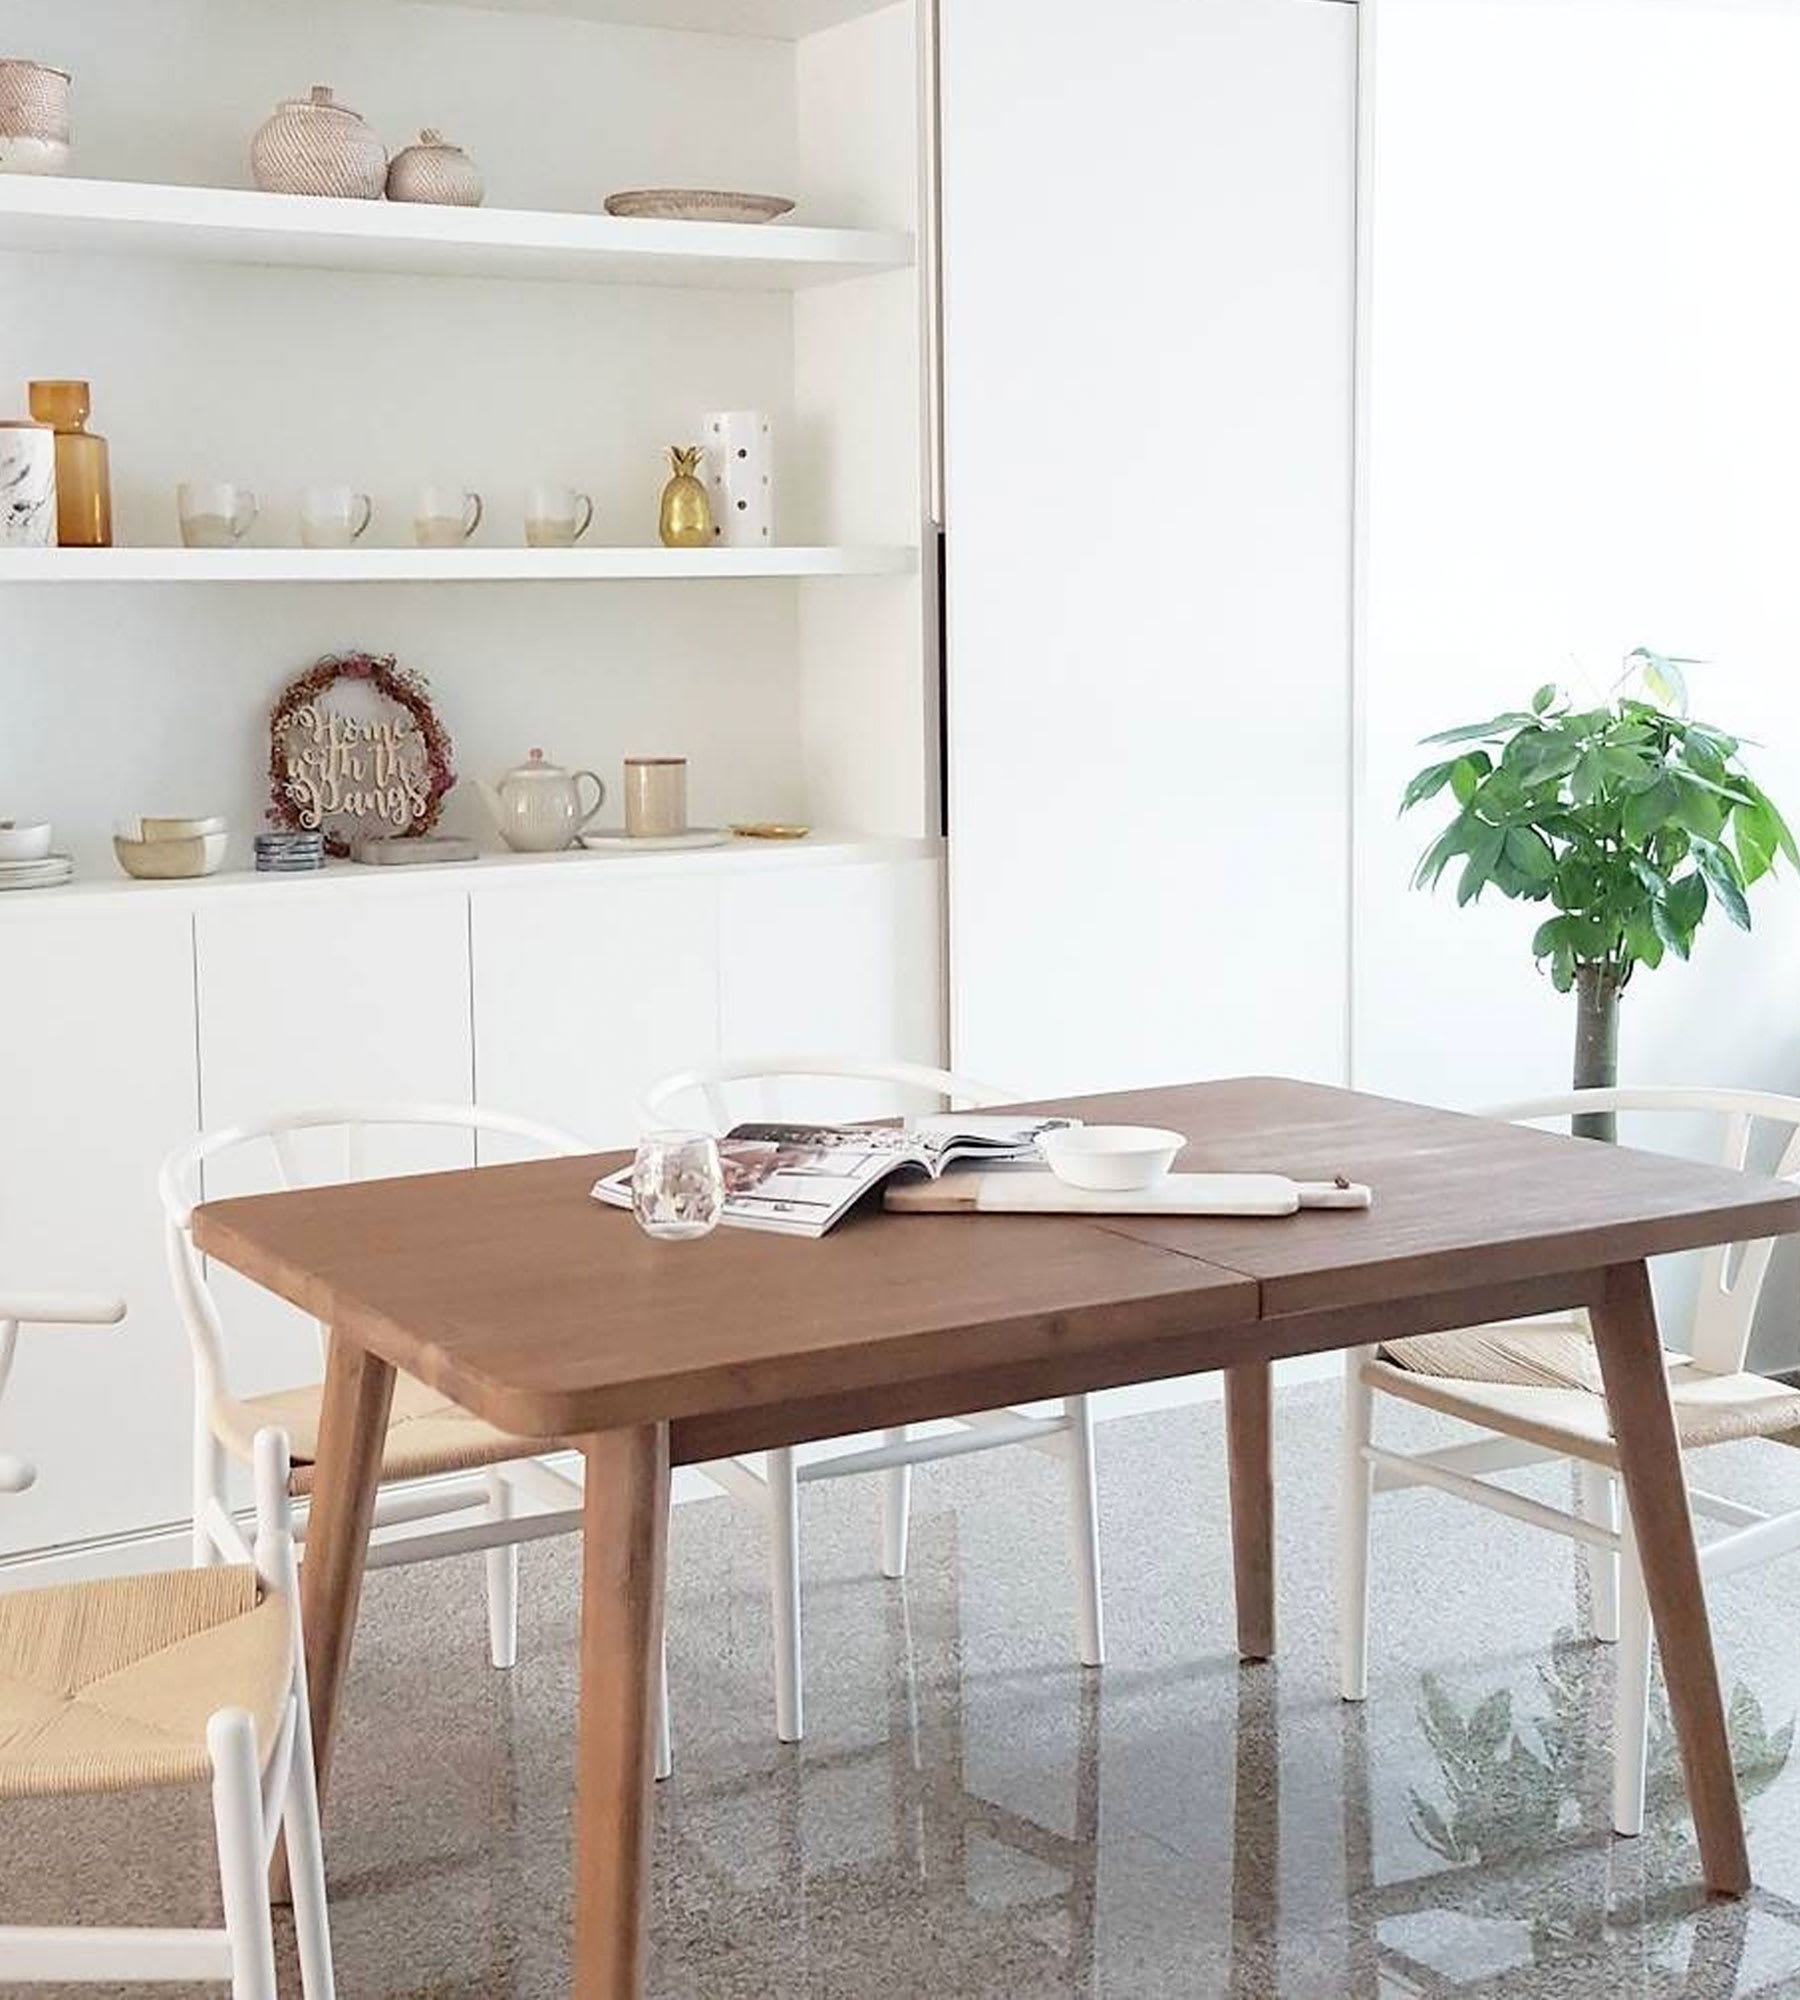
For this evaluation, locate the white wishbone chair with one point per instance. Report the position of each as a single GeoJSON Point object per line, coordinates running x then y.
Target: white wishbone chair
{"type": "Point", "coordinates": [429, 1437]}
{"type": "Point", "coordinates": [140, 1682]}
{"type": "Point", "coordinates": [769, 1082]}
{"type": "Point", "coordinates": [1532, 1388]}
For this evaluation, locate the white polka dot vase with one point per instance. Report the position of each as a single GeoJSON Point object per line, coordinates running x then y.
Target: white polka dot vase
{"type": "Point", "coordinates": [740, 477]}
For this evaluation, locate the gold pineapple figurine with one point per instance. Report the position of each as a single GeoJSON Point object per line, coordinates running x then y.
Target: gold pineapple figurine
{"type": "Point", "coordinates": [686, 521]}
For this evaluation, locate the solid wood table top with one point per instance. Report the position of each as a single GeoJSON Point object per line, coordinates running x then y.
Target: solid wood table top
{"type": "Point", "coordinates": [554, 1316]}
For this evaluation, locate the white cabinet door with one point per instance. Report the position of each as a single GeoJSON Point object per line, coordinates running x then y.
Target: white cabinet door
{"type": "Point", "coordinates": [843, 962]}
{"type": "Point", "coordinates": [357, 997]}
{"type": "Point", "coordinates": [1148, 307]}
{"type": "Point", "coordinates": [96, 1085]}
{"type": "Point", "coordinates": [587, 992]}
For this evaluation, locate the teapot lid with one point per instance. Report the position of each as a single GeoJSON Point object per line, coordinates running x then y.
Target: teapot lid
{"type": "Point", "coordinates": [535, 766]}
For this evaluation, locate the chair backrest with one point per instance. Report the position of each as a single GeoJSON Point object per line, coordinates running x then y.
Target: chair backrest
{"type": "Point", "coordinates": [1731, 1275]}
{"type": "Point", "coordinates": [19, 1309]}
{"type": "Point", "coordinates": [181, 1186]}
{"type": "Point", "coordinates": [774, 1078]}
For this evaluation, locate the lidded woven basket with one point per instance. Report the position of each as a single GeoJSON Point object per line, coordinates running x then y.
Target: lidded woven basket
{"type": "Point", "coordinates": [315, 145]}
{"type": "Point", "coordinates": [434, 171]}
{"type": "Point", "coordinates": [34, 100]}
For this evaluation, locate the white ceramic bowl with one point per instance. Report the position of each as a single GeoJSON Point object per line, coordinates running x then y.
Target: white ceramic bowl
{"type": "Point", "coordinates": [24, 843]}
{"type": "Point", "coordinates": [1110, 1159]}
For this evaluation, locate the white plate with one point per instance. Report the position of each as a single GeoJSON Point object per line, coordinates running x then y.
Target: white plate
{"type": "Point", "coordinates": [697, 205]}
{"type": "Point", "coordinates": [615, 840]}
{"type": "Point", "coordinates": [39, 875]}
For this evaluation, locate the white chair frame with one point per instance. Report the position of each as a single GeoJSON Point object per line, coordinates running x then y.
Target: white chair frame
{"type": "Point", "coordinates": [1730, 1283]}
{"type": "Point", "coordinates": [774, 1494]}
{"type": "Point", "coordinates": [254, 1802]}
{"type": "Point", "coordinates": [496, 1490]}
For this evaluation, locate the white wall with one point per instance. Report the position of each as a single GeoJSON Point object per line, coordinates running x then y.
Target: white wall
{"type": "Point", "coordinates": [1585, 422]}
{"type": "Point", "coordinates": [1148, 250]}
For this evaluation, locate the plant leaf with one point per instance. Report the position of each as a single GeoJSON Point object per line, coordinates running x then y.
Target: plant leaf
{"type": "Point", "coordinates": [1721, 873]}
{"type": "Point", "coordinates": [1484, 853]}
{"type": "Point", "coordinates": [1647, 811]}
{"type": "Point", "coordinates": [1427, 784]}
{"type": "Point", "coordinates": [1530, 854]}
{"type": "Point", "coordinates": [1478, 732]}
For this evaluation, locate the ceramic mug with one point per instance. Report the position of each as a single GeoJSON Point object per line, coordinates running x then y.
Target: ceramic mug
{"type": "Point", "coordinates": [556, 517]}
{"type": "Point", "coordinates": [444, 517]}
{"type": "Point", "coordinates": [655, 795]}
{"type": "Point", "coordinates": [215, 514]}
{"type": "Point", "coordinates": [332, 517]}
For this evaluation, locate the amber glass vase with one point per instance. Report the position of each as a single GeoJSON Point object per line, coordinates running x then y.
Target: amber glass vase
{"type": "Point", "coordinates": [83, 475]}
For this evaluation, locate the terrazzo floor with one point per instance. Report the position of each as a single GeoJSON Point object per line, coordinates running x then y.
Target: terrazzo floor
{"type": "Point", "coordinates": [972, 1815]}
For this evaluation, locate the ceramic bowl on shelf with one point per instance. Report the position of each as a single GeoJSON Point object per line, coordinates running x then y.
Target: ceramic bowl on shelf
{"type": "Point", "coordinates": [169, 857]}
{"type": "Point", "coordinates": [1110, 1159]}
{"type": "Point", "coordinates": [181, 829]}
{"type": "Point", "coordinates": [24, 843]}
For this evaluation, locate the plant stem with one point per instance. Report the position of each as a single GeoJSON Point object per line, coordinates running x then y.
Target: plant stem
{"type": "Point", "coordinates": [1597, 988]}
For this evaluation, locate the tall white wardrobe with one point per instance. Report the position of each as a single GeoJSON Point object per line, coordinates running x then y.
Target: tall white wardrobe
{"type": "Point", "coordinates": [1148, 240]}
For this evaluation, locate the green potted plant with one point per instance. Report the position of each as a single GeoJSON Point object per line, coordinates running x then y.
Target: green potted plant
{"type": "Point", "coordinates": [1630, 820]}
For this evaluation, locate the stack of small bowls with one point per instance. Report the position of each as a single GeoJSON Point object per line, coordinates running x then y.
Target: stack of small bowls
{"type": "Point", "coordinates": [289, 853]}
{"type": "Point", "coordinates": [171, 850]}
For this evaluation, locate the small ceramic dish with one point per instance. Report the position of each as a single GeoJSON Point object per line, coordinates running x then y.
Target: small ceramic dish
{"type": "Point", "coordinates": [181, 829]}
{"type": "Point", "coordinates": [770, 829]}
{"type": "Point", "coordinates": [1110, 1159]}
{"type": "Point", "coordinates": [170, 860]}
{"type": "Point", "coordinates": [24, 843]}
{"type": "Point", "coordinates": [697, 205]}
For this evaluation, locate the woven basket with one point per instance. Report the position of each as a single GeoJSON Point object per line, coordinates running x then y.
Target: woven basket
{"type": "Point", "coordinates": [314, 145]}
{"type": "Point", "coordinates": [34, 101]}
{"type": "Point", "coordinates": [434, 171]}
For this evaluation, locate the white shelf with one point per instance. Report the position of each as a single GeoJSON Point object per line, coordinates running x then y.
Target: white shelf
{"type": "Point", "coordinates": [490, 874]}
{"type": "Point", "coordinates": [466, 565]}
{"type": "Point", "coordinates": [780, 20]}
{"type": "Point", "coordinates": [240, 226]}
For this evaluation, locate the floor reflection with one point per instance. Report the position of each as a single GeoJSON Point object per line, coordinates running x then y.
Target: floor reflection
{"type": "Point", "coordinates": [974, 1816]}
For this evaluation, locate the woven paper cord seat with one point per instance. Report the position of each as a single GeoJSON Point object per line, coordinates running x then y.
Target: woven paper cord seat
{"type": "Point", "coordinates": [1541, 1382]}
{"type": "Point", "coordinates": [108, 1686]}
{"type": "Point", "coordinates": [427, 1432]}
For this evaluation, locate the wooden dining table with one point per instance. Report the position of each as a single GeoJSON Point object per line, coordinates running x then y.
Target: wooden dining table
{"type": "Point", "coordinates": [558, 1320]}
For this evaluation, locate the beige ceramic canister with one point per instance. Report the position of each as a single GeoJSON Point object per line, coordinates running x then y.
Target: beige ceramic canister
{"type": "Point", "coordinates": [655, 796]}
{"type": "Point", "coordinates": [434, 171]}
{"type": "Point", "coordinates": [315, 145]}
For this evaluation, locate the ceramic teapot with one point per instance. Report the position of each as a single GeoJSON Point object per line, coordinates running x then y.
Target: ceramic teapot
{"type": "Point", "coordinates": [537, 806]}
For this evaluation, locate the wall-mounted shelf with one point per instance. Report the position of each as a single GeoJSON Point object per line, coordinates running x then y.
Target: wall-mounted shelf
{"type": "Point", "coordinates": [240, 226]}
{"type": "Point", "coordinates": [441, 565]}
{"type": "Point", "coordinates": [782, 20]}
{"type": "Point", "coordinates": [491, 874]}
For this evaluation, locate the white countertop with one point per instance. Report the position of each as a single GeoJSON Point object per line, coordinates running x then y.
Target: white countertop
{"type": "Point", "coordinates": [489, 873]}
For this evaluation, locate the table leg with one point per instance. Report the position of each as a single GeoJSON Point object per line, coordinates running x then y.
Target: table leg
{"type": "Point", "coordinates": [1250, 1440]}
{"type": "Point", "coordinates": [1637, 1397]}
{"type": "Point", "coordinates": [353, 1419]}
{"type": "Point", "coordinates": [625, 1529]}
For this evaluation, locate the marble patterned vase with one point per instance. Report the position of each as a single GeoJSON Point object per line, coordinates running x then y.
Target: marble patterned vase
{"type": "Point", "coordinates": [27, 486]}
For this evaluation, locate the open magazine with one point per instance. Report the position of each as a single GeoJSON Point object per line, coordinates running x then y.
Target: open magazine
{"type": "Point", "coordinates": [800, 1179]}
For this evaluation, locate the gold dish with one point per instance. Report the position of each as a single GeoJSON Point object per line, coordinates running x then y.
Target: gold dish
{"type": "Point", "coordinates": [769, 829]}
